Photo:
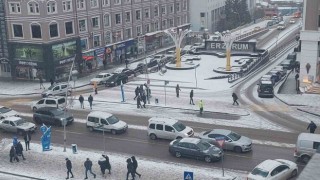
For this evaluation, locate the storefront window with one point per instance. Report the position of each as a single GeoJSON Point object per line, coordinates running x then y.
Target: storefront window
{"type": "Point", "coordinates": [62, 72]}
{"type": "Point", "coordinates": [27, 72]}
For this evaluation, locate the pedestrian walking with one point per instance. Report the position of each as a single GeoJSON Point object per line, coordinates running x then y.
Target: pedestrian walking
{"type": "Point", "coordinates": [19, 150]}
{"type": "Point", "coordinates": [136, 91]}
{"type": "Point", "coordinates": [95, 87]}
{"type": "Point", "coordinates": [191, 97]}
{"type": "Point", "coordinates": [107, 163]}
{"type": "Point", "coordinates": [51, 81]}
{"type": "Point", "coordinates": [41, 82]}
{"type": "Point", "coordinates": [104, 164]}
{"type": "Point", "coordinates": [88, 167]}
{"type": "Point", "coordinates": [235, 98]}
{"type": "Point", "coordinates": [141, 90]}
{"type": "Point", "coordinates": [13, 154]}
{"type": "Point", "coordinates": [81, 99]}
{"type": "Point", "coordinates": [130, 169]}
{"type": "Point", "coordinates": [177, 90]}
{"type": "Point", "coordinates": [144, 100]}
{"type": "Point", "coordinates": [135, 165]}
{"type": "Point", "coordinates": [297, 81]}
{"type": "Point", "coordinates": [69, 167]}
{"type": "Point", "coordinates": [201, 107]}
{"type": "Point", "coordinates": [139, 102]}
{"type": "Point", "coordinates": [127, 62]}
{"type": "Point", "coordinates": [27, 139]}
{"type": "Point", "coordinates": [90, 100]}
{"type": "Point", "coordinates": [312, 127]}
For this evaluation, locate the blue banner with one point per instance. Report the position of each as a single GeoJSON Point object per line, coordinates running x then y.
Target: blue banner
{"type": "Point", "coordinates": [46, 137]}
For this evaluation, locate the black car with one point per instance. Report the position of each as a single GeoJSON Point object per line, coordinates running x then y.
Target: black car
{"type": "Point", "coordinates": [265, 89]}
{"type": "Point", "coordinates": [128, 72]}
{"type": "Point", "coordinates": [141, 68]}
{"type": "Point", "coordinates": [116, 80]}
{"type": "Point", "coordinates": [152, 63]}
{"type": "Point", "coordinates": [53, 116]}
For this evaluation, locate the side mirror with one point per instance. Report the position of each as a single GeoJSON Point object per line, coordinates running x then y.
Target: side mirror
{"type": "Point", "coordinates": [172, 131]}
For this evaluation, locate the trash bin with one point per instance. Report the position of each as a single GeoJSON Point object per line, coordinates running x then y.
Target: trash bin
{"type": "Point", "coordinates": [157, 100]}
{"type": "Point", "coordinates": [74, 148]}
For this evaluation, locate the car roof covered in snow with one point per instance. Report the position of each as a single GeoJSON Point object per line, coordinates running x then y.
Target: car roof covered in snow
{"type": "Point", "coordinates": [268, 165]}
{"type": "Point", "coordinates": [162, 120]}
{"type": "Point", "coordinates": [191, 140]}
{"type": "Point", "coordinates": [99, 114]}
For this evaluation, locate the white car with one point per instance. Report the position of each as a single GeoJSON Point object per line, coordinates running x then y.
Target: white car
{"type": "Point", "coordinates": [57, 102]}
{"type": "Point", "coordinates": [7, 112]}
{"type": "Point", "coordinates": [17, 125]}
{"type": "Point", "coordinates": [57, 89]}
{"type": "Point", "coordinates": [292, 21]}
{"type": "Point", "coordinates": [101, 78]}
{"type": "Point", "coordinates": [278, 169]}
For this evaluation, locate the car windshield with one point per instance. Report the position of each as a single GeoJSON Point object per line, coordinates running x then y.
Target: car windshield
{"type": "Point", "coordinates": [234, 136]}
{"type": "Point", "coordinates": [203, 145]}
{"type": "Point", "coordinates": [56, 112]}
{"type": "Point", "coordinates": [112, 119]}
{"type": "Point", "coordinates": [20, 121]}
{"type": "Point", "coordinates": [113, 77]}
{"type": "Point", "coordinates": [260, 172]}
{"type": "Point", "coordinates": [51, 87]}
{"type": "Point", "coordinates": [4, 110]}
{"type": "Point", "coordinates": [179, 126]}
{"type": "Point", "coordinates": [99, 76]}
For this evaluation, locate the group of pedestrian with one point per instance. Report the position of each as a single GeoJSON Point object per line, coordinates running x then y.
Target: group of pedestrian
{"type": "Point", "coordinates": [17, 148]}
{"type": "Point", "coordinates": [132, 165]}
{"type": "Point", "coordinates": [141, 95]}
{"type": "Point", "coordinates": [81, 100]}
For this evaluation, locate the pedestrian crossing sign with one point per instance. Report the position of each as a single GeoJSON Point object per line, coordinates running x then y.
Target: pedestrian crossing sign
{"type": "Point", "coordinates": [188, 175]}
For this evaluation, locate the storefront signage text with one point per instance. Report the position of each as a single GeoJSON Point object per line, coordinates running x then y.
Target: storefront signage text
{"type": "Point", "coordinates": [237, 46]}
{"type": "Point", "coordinates": [27, 63]}
{"type": "Point", "coordinates": [66, 60]}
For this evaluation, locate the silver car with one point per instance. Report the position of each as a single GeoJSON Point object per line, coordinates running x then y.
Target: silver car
{"type": "Point", "coordinates": [233, 141]}
{"type": "Point", "coordinates": [17, 125]}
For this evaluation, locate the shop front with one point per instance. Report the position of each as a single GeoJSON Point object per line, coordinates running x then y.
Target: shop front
{"type": "Point", "coordinates": [5, 67]}
{"type": "Point", "coordinates": [123, 50]}
{"type": "Point", "coordinates": [153, 41]}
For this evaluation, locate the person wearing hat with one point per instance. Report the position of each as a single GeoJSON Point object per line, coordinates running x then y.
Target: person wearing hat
{"type": "Point", "coordinates": [69, 167]}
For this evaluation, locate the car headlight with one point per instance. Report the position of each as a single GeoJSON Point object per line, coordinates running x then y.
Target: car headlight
{"type": "Point", "coordinates": [112, 82]}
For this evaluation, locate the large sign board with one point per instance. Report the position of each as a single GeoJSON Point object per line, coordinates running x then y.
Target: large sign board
{"type": "Point", "coordinates": [236, 46]}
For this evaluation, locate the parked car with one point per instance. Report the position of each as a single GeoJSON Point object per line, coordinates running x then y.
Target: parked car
{"type": "Point", "coordinates": [102, 121]}
{"type": "Point", "coordinates": [275, 76]}
{"type": "Point", "coordinates": [141, 68]}
{"type": "Point", "coordinates": [278, 169]}
{"type": "Point", "coordinates": [17, 125]}
{"type": "Point", "coordinates": [167, 128]}
{"type": "Point", "coordinates": [126, 71]}
{"type": "Point", "coordinates": [101, 78]}
{"type": "Point", "coordinates": [57, 89]}
{"type": "Point", "coordinates": [160, 58]}
{"type": "Point", "coordinates": [51, 115]}
{"type": "Point", "coordinates": [53, 101]}
{"type": "Point", "coordinates": [281, 70]}
{"type": "Point", "coordinates": [233, 141]}
{"type": "Point", "coordinates": [286, 64]}
{"type": "Point", "coordinates": [292, 21]}
{"type": "Point", "coordinates": [265, 89]}
{"type": "Point", "coordinates": [152, 63]}
{"type": "Point", "coordinates": [116, 80]}
{"type": "Point", "coordinates": [195, 148]}
{"type": "Point", "coordinates": [306, 146]}
{"type": "Point", "coordinates": [7, 112]}
{"type": "Point", "coordinates": [281, 25]}
{"type": "Point", "coordinates": [292, 56]}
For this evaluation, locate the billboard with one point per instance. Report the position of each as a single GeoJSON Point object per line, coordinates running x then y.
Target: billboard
{"type": "Point", "coordinates": [64, 50]}
{"type": "Point", "coordinates": [236, 46]}
{"type": "Point", "coordinates": [28, 53]}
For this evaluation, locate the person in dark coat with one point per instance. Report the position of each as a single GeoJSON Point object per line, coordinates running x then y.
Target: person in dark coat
{"type": "Point", "coordinates": [41, 82]}
{"type": "Point", "coordinates": [51, 81]}
{"type": "Point", "coordinates": [13, 154]}
{"type": "Point", "coordinates": [312, 126]}
{"type": "Point", "coordinates": [177, 90]}
{"type": "Point", "coordinates": [69, 167]}
{"type": "Point", "coordinates": [136, 91]}
{"type": "Point", "coordinates": [235, 98]}
{"type": "Point", "coordinates": [139, 102]}
{"type": "Point", "coordinates": [19, 150]}
{"type": "Point", "coordinates": [191, 97]}
{"type": "Point", "coordinates": [135, 165]}
{"type": "Point", "coordinates": [88, 167]}
{"type": "Point", "coordinates": [107, 163]}
{"type": "Point", "coordinates": [141, 90]}
{"type": "Point", "coordinates": [144, 100]}
{"type": "Point", "coordinates": [102, 165]}
{"type": "Point", "coordinates": [27, 139]}
{"type": "Point", "coordinates": [130, 169]}
{"type": "Point", "coordinates": [90, 100]}
{"type": "Point", "coordinates": [81, 99]}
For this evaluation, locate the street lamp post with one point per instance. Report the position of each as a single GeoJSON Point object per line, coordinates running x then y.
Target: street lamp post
{"type": "Point", "coordinates": [142, 42]}
{"type": "Point", "coordinates": [228, 40]}
{"type": "Point", "coordinates": [177, 36]}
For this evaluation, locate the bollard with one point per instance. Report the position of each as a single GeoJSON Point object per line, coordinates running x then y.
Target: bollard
{"type": "Point", "coordinates": [74, 148]}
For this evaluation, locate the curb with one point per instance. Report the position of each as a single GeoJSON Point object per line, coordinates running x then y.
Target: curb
{"type": "Point", "coordinates": [308, 112]}
{"type": "Point", "coordinates": [19, 175]}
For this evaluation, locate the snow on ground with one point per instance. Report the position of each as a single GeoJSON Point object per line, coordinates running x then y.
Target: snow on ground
{"type": "Point", "coordinates": [52, 165]}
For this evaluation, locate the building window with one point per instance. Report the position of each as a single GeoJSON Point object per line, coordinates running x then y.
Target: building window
{"type": "Point", "coordinates": [81, 4]}
{"type": "Point", "coordinates": [163, 9]}
{"type": "Point", "coordinates": [127, 1]}
{"type": "Point", "coordinates": [94, 3]}
{"type": "Point", "coordinates": [164, 24]}
{"type": "Point", "coordinates": [105, 2]}
{"type": "Point", "coordinates": [117, 36]}
{"type": "Point", "coordinates": [52, 7]}
{"type": "Point", "coordinates": [118, 18]}
{"type": "Point", "coordinates": [178, 21]}
{"type": "Point", "coordinates": [171, 8]}
{"type": "Point", "coordinates": [14, 7]}
{"type": "Point", "coordinates": [128, 16]}
{"type": "Point", "coordinates": [147, 13]}
{"type": "Point", "coordinates": [184, 5]}
{"type": "Point", "coordinates": [178, 7]}
{"type": "Point", "coordinates": [147, 28]}
{"type": "Point", "coordinates": [53, 30]}
{"type": "Point", "coordinates": [106, 20]}
{"type": "Point", "coordinates": [128, 33]}
{"type": "Point", "coordinates": [84, 44]}
{"type": "Point", "coordinates": [107, 38]}
{"type": "Point", "coordinates": [171, 23]}
{"type": "Point", "coordinates": [138, 29]}
{"type": "Point", "coordinates": [138, 14]}
{"type": "Point", "coordinates": [95, 22]}
{"type": "Point", "coordinates": [67, 6]}
{"type": "Point", "coordinates": [96, 40]}
{"type": "Point", "coordinates": [36, 31]}
{"type": "Point", "coordinates": [116, 2]}
{"type": "Point", "coordinates": [156, 26]}
{"type": "Point", "coordinates": [69, 27]}
{"type": "Point", "coordinates": [17, 30]}
{"type": "Point", "coordinates": [156, 11]}
{"type": "Point", "coordinates": [33, 8]}
{"type": "Point", "coordinates": [82, 25]}
{"type": "Point", "coordinates": [185, 19]}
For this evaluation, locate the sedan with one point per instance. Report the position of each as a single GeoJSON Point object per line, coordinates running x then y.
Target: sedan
{"type": "Point", "coordinates": [141, 68]}
{"type": "Point", "coordinates": [278, 169]}
{"type": "Point", "coordinates": [233, 141]}
{"type": "Point", "coordinates": [53, 116]}
{"type": "Point", "coordinates": [100, 78]}
{"type": "Point", "coordinates": [195, 148]}
{"type": "Point", "coordinates": [7, 112]}
{"type": "Point", "coordinates": [126, 71]}
{"type": "Point", "coordinates": [116, 80]}
{"type": "Point", "coordinates": [17, 125]}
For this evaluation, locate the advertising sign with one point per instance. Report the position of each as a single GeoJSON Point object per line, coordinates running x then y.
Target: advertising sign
{"type": "Point", "coordinates": [64, 50]}
{"type": "Point", "coordinates": [236, 46]}
{"type": "Point", "coordinates": [46, 137]}
{"type": "Point", "coordinates": [28, 52]}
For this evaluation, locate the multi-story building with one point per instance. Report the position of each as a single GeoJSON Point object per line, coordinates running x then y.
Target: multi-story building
{"type": "Point", "coordinates": [5, 68]}
{"type": "Point", "coordinates": [45, 35]}
{"type": "Point", "coordinates": [310, 44]}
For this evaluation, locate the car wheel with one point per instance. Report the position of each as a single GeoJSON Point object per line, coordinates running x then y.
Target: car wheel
{"type": "Point", "coordinates": [294, 173]}
{"type": "Point", "coordinates": [91, 129]}
{"type": "Point", "coordinates": [153, 136]}
{"type": "Point", "coordinates": [178, 154]}
{"type": "Point", "coordinates": [207, 159]}
{"type": "Point", "coordinates": [34, 109]}
{"type": "Point", "coordinates": [114, 132]}
{"type": "Point", "coordinates": [305, 159]}
{"type": "Point", "coordinates": [237, 149]}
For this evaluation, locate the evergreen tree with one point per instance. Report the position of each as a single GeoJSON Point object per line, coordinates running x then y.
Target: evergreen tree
{"type": "Point", "coordinates": [245, 15]}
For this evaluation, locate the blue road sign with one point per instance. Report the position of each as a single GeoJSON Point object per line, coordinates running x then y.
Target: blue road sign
{"type": "Point", "coordinates": [188, 175]}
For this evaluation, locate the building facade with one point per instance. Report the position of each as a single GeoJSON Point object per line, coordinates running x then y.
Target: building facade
{"type": "Point", "coordinates": [45, 35]}
{"type": "Point", "coordinates": [310, 44]}
{"type": "Point", "coordinates": [5, 67]}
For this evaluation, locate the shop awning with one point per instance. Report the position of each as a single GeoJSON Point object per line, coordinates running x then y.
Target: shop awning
{"type": "Point", "coordinates": [88, 58]}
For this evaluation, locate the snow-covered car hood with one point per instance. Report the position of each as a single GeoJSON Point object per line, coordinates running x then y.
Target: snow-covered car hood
{"type": "Point", "coordinates": [186, 131]}
{"type": "Point", "coordinates": [213, 150]}
{"type": "Point", "coordinates": [120, 125]}
{"type": "Point", "coordinates": [9, 113]}
{"type": "Point", "coordinates": [243, 141]}
{"type": "Point", "coordinates": [26, 126]}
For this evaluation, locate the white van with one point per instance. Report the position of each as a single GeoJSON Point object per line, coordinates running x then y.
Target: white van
{"type": "Point", "coordinates": [52, 101]}
{"type": "Point", "coordinates": [103, 121]}
{"type": "Point", "coordinates": [307, 145]}
{"type": "Point", "coordinates": [167, 128]}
